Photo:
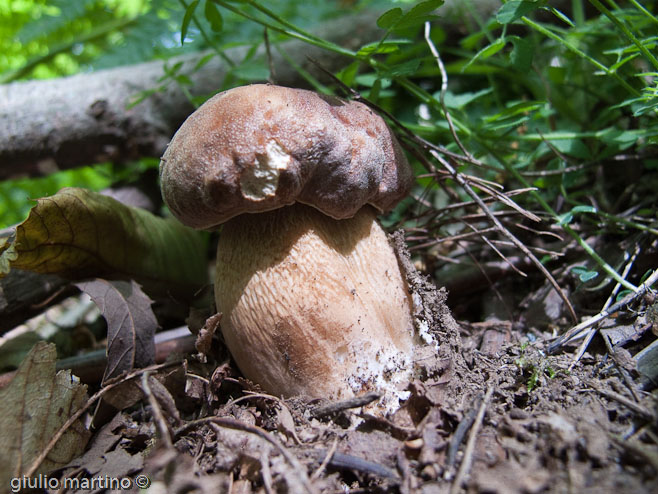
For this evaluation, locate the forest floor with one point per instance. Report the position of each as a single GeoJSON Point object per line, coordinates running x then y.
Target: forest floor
{"type": "Point", "coordinates": [493, 411]}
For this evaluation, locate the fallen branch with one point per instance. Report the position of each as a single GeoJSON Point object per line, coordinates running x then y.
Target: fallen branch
{"type": "Point", "coordinates": [87, 118]}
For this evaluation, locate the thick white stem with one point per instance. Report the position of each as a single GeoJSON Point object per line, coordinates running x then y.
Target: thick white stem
{"type": "Point", "coordinates": [314, 306]}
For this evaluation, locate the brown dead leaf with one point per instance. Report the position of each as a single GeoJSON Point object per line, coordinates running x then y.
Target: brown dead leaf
{"type": "Point", "coordinates": [78, 233]}
{"type": "Point", "coordinates": [204, 338]}
{"type": "Point", "coordinates": [131, 324]}
{"type": "Point", "coordinates": [33, 407]}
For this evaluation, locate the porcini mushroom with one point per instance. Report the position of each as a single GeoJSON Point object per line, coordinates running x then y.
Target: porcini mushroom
{"type": "Point", "coordinates": [312, 297]}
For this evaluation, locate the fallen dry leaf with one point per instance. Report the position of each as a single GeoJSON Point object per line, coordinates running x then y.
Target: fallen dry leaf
{"type": "Point", "coordinates": [131, 324]}
{"type": "Point", "coordinates": [78, 233]}
{"type": "Point", "coordinates": [35, 405]}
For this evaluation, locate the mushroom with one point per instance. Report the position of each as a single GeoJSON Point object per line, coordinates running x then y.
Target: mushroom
{"type": "Point", "coordinates": [312, 298]}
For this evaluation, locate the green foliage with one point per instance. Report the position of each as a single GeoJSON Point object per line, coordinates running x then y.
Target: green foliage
{"type": "Point", "coordinates": [543, 98]}
{"type": "Point", "coordinates": [535, 366]}
{"type": "Point", "coordinates": [17, 196]}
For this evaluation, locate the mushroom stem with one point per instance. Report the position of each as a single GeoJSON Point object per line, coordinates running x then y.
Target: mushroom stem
{"type": "Point", "coordinates": [312, 305]}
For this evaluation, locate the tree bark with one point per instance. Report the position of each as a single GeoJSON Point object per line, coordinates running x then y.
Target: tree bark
{"type": "Point", "coordinates": [46, 125]}
{"type": "Point", "coordinates": [53, 124]}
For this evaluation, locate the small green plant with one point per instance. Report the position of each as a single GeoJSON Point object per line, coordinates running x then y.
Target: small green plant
{"type": "Point", "coordinates": [534, 366]}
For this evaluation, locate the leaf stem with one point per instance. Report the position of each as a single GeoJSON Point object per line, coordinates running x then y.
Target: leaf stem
{"type": "Point", "coordinates": [550, 34]}
{"type": "Point", "coordinates": [293, 31]}
{"type": "Point", "coordinates": [626, 32]}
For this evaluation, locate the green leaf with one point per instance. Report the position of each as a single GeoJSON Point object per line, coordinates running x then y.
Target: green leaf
{"type": "Point", "coordinates": [396, 20]}
{"type": "Point", "coordinates": [402, 69]}
{"type": "Point", "coordinates": [79, 234]}
{"type": "Point", "coordinates": [214, 16]}
{"type": "Point", "coordinates": [252, 70]}
{"type": "Point", "coordinates": [566, 218]}
{"type": "Point", "coordinates": [389, 18]}
{"type": "Point", "coordinates": [375, 90]}
{"type": "Point", "coordinates": [348, 74]}
{"type": "Point", "coordinates": [463, 99]}
{"type": "Point", "coordinates": [487, 51]}
{"type": "Point", "coordinates": [617, 138]}
{"type": "Point", "coordinates": [572, 147]}
{"type": "Point", "coordinates": [388, 46]}
{"type": "Point", "coordinates": [514, 10]}
{"type": "Point", "coordinates": [583, 209]}
{"type": "Point", "coordinates": [187, 18]}
{"type": "Point", "coordinates": [562, 17]}
{"type": "Point", "coordinates": [419, 14]}
{"type": "Point", "coordinates": [622, 294]}
{"type": "Point", "coordinates": [522, 54]}
{"type": "Point", "coordinates": [584, 274]}
{"type": "Point", "coordinates": [516, 109]}
{"type": "Point", "coordinates": [203, 61]}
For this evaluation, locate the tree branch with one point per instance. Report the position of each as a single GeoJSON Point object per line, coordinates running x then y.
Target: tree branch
{"type": "Point", "coordinates": [85, 119]}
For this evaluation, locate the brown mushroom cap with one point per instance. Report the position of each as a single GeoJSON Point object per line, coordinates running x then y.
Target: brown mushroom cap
{"type": "Point", "coordinates": [260, 147]}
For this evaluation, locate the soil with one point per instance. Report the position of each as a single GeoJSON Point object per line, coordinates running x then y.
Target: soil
{"type": "Point", "coordinates": [490, 412]}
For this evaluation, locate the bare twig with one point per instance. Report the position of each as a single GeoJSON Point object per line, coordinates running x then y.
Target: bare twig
{"type": "Point", "coordinates": [270, 62]}
{"type": "Point", "coordinates": [505, 232]}
{"type": "Point", "coordinates": [457, 439]}
{"type": "Point", "coordinates": [470, 445]}
{"type": "Point", "coordinates": [636, 407]}
{"type": "Point", "coordinates": [444, 88]}
{"type": "Point", "coordinates": [326, 460]}
{"type": "Point", "coordinates": [265, 472]}
{"type": "Point", "coordinates": [72, 419]}
{"type": "Point", "coordinates": [158, 416]}
{"type": "Point", "coordinates": [577, 331]}
{"type": "Point", "coordinates": [357, 401]}
{"type": "Point", "coordinates": [230, 423]}
{"type": "Point", "coordinates": [620, 368]}
{"type": "Point", "coordinates": [265, 396]}
{"type": "Point", "coordinates": [351, 462]}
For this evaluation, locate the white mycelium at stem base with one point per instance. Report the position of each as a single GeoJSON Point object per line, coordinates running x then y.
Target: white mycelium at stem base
{"type": "Point", "coordinates": [313, 306]}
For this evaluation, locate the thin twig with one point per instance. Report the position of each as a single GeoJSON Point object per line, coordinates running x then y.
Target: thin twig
{"type": "Point", "coordinates": [270, 62]}
{"type": "Point", "coordinates": [355, 463]}
{"type": "Point", "coordinates": [326, 460]}
{"type": "Point", "coordinates": [265, 472]}
{"type": "Point", "coordinates": [230, 423]}
{"type": "Point", "coordinates": [499, 296]}
{"type": "Point", "coordinates": [505, 232]}
{"type": "Point", "coordinates": [470, 445]}
{"type": "Point", "coordinates": [357, 401]}
{"type": "Point", "coordinates": [620, 368]}
{"type": "Point", "coordinates": [444, 88]}
{"type": "Point", "coordinates": [99, 394]}
{"type": "Point", "coordinates": [575, 332]}
{"type": "Point", "coordinates": [636, 407]}
{"type": "Point", "coordinates": [265, 396]}
{"type": "Point", "coordinates": [457, 439]}
{"type": "Point", "coordinates": [582, 348]}
{"type": "Point", "coordinates": [156, 410]}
